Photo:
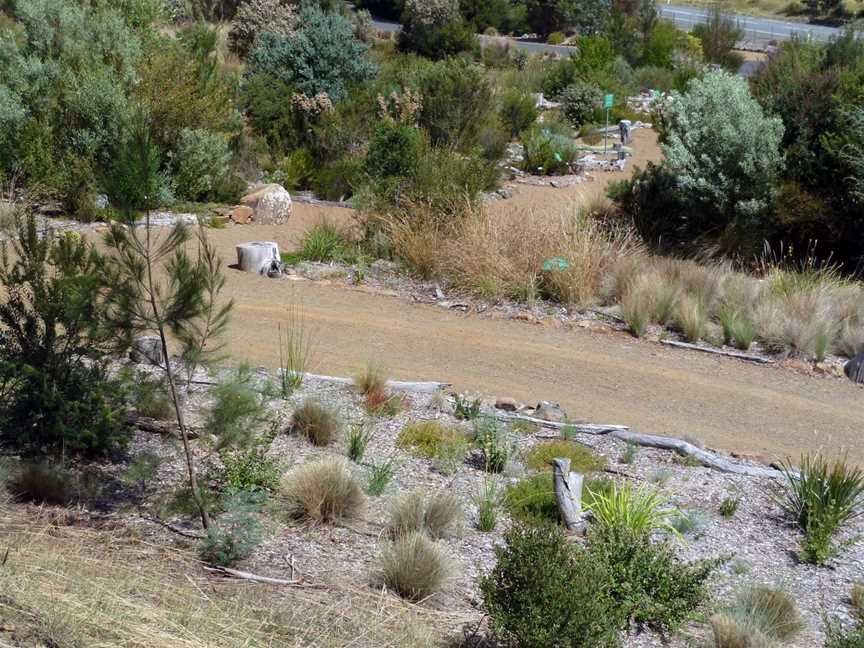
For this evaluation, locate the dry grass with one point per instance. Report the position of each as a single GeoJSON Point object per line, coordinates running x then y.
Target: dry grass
{"type": "Point", "coordinates": [43, 483]}
{"type": "Point", "coordinates": [762, 617]}
{"type": "Point", "coordinates": [319, 423]}
{"type": "Point", "coordinates": [435, 515]}
{"type": "Point", "coordinates": [414, 566]}
{"type": "Point", "coordinates": [691, 318]}
{"type": "Point", "coordinates": [372, 379]}
{"type": "Point", "coordinates": [323, 491]}
{"type": "Point", "coordinates": [78, 587]}
{"type": "Point", "coordinates": [647, 299]}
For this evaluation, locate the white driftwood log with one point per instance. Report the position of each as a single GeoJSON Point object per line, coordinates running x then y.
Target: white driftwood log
{"type": "Point", "coordinates": [738, 355]}
{"type": "Point", "coordinates": [257, 256]}
{"type": "Point", "coordinates": [583, 428]}
{"type": "Point", "coordinates": [568, 494]}
{"type": "Point", "coordinates": [705, 457]}
{"type": "Point", "coordinates": [236, 573]}
{"type": "Point", "coordinates": [397, 385]}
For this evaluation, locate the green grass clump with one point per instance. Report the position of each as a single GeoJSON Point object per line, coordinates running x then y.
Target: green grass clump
{"type": "Point", "coordinates": [640, 510]}
{"type": "Point", "coordinates": [582, 460]}
{"type": "Point", "coordinates": [325, 243]}
{"type": "Point", "coordinates": [426, 438]}
{"type": "Point", "coordinates": [487, 506]}
{"type": "Point", "coordinates": [379, 475]}
{"type": "Point", "coordinates": [323, 491]}
{"type": "Point", "coordinates": [729, 506]}
{"type": "Point", "coordinates": [532, 500]}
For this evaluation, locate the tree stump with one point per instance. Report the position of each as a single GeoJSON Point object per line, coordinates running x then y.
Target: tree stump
{"type": "Point", "coordinates": [146, 349]}
{"type": "Point", "coordinates": [568, 494]}
{"type": "Point", "coordinates": [258, 256]}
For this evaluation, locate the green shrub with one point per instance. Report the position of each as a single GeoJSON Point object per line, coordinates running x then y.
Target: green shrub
{"type": "Point", "coordinates": [532, 500]}
{"type": "Point", "coordinates": [548, 153]}
{"type": "Point", "coordinates": [58, 396]}
{"type": "Point", "coordinates": [414, 566]}
{"type": "Point", "coordinates": [236, 533]}
{"type": "Point", "coordinates": [729, 506]}
{"type": "Point", "coordinates": [321, 56]}
{"type": "Point", "coordinates": [266, 103]}
{"type": "Point", "coordinates": [319, 423]}
{"type": "Point", "coordinates": [435, 29]}
{"type": "Point", "coordinates": [238, 409]}
{"type": "Point", "coordinates": [394, 151]}
{"type": "Point", "coordinates": [544, 591]}
{"type": "Point", "coordinates": [838, 636]}
{"type": "Point", "coordinates": [200, 161]}
{"type": "Point", "coordinates": [149, 396]}
{"type": "Point", "coordinates": [426, 438]}
{"type": "Point", "coordinates": [256, 16]}
{"type": "Point", "coordinates": [518, 111]}
{"type": "Point", "coordinates": [434, 515]}
{"type": "Point", "coordinates": [822, 498]}
{"type": "Point", "coordinates": [649, 583]}
{"type": "Point", "coordinates": [466, 410]}
{"type": "Point", "coordinates": [493, 443]}
{"type": "Point", "coordinates": [582, 460]}
{"type": "Point", "coordinates": [323, 491]}
{"type": "Point", "coordinates": [250, 471]}
{"type": "Point", "coordinates": [296, 170]}
{"type": "Point", "coordinates": [338, 180]}
{"type": "Point", "coordinates": [325, 242]}
{"type": "Point", "coordinates": [556, 38]}
{"type": "Point", "coordinates": [579, 101]}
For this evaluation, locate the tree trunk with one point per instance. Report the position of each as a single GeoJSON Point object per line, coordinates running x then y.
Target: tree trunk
{"type": "Point", "coordinates": [258, 256]}
{"type": "Point", "coordinates": [568, 494]}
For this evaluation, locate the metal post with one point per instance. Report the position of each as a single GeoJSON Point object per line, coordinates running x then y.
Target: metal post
{"type": "Point", "coordinates": [606, 133]}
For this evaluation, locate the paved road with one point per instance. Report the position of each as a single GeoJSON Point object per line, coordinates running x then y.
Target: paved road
{"type": "Point", "coordinates": [753, 28]}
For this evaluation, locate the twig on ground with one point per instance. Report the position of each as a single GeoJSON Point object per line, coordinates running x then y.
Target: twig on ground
{"type": "Point", "coordinates": [242, 575]}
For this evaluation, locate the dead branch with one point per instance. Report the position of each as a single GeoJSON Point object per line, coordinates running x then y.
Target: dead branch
{"type": "Point", "coordinates": [186, 534]}
{"type": "Point", "coordinates": [722, 352]}
{"type": "Point", "coordinates": [242, 575]}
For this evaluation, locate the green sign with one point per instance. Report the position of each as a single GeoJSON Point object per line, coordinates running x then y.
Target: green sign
{"type": "Point", "coordinates": [608, 101]}
{"type": "Point", "coordinates": [555, 263]}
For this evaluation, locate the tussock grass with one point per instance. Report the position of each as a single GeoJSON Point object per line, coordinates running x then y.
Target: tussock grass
{"type": "Point", "coordinates": [43, 483]}
{"type": "Point", "coordinates": [73, 586]}
{"type": "Point", "coordinates": [427, 438]}
{"type": "Point", "coordinates": [319, 423]}
{"type": "Point", "coordinates": [434, 515]}
{"type": "Point", "coordinates": [691, 318]}
{"type": "Point", "coordinates": [582, 460]}
{"type": "Point", "coordinates": [323, 491]}
{"type": "Point", "coordinates": [761, 617]}
{"type": "Point", "coordinates": [325, 242]}
{"type": "Point", "coordinates": [414, 566]}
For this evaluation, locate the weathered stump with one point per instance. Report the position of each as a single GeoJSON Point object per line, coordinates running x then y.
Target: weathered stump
{"type": "Point", "coordinates": [568, 494]}
{"type": "Point", "coordinates": [146, 349]}
{"type": "Point", "coordinates": [258, 257]}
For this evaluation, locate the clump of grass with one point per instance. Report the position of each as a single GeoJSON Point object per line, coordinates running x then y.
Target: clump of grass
{"type": "Point", "coordinates": [380, 474]}
{"type": "Point", "coordinates": [372, 384]}
{"type": "Point", "coordinates": [320, 424]}
{"type": "Point", "coordinates": [434, 515]}
{"type": "Point", "coordinates": [856, 597]}
{"type": "Point", "coordinates": [150, 398]}
{"type": "Point", "coordinates": [760, 617]}
{"type": "Point", "coordinates": [372, 379]}
{"type": "Point", "coordinates": [384, 404]}
{"type": "Point", "coordinates": [648, 299]}
{"type": "Point", "coordinates": [323, 491]}
{"type": "Point", "coordinates": [729, 506]}
{"type": "Point", "coordinates": [532, 499]}
{"type": "Point", "coordinates": [465, 409]}
{"type": "Point", "coordinates": [295, 351]}
{"type": "Point", "coordinates": [660, 476]}
{"type": "Point", "coordinates": [325, 242]}
{"type": "Point", "coordinates": [691, 318]}
{"type": "Point", "coordinates": [639, 510]}
{"type": "Point", "coordinates": [738, 329]}
{"type": "Point", "coordinates": [414, 566]}
{"type": "Point", "coordinates": [822, 498]}
{"type": "Point", "coordinates": [426, 438]}
{"type": "Point", "coordinates": [582, 460]}
{"type": "Point", "coordinates": [450, 455]}
{"type": "Point", "coordinates": [524, 428]}
{"type": "Point", "coordinates": [359, 435]}
{"type": "Point", "coordinates": [43, 482]}
{"type": "Point", "coordinates": [487, 506]}
{"type": "Point", "coordinates": [493, 444]}
{"type": "Point", "coordinates": [690, 522]}
{"type": "Point", "coordinates": [740, 567]}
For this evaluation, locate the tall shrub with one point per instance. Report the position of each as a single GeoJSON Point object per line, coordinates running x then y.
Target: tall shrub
{"type": "Point", "coordinates": [435, 29]}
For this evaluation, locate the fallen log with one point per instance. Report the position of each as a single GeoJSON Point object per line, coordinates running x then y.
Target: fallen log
{"type": "Point", "coordinates": [155, 426]}
{"type": "Point", "coordinates": [398, 385]}
{"type": "Point", "coordinates": [582, 428]}
{"type": "Point", "coordinates": [181, 532]}
{"type": "Point", "coordinates": [738, 355]}
{"type": "Point", "coordinates": [704, 457]}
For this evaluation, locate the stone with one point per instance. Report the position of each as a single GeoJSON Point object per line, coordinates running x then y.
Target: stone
{"type": "Point", "coordinates": [242, 215]}
{"type": "Point", "coordinates": [552, 412]}
{"type": "Point", "coordinates": [272, 204]}
{"type": "Point", "coordinates": [507, 404]}
{"type": "Point", "coordinates": [854, 369]}
{"type": "Point", "coordinates": [146, 349]}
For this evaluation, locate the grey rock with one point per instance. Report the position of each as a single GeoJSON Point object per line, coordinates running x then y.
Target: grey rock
{"type": "Point", "coordinates": [146, 349]}
{"type": "Point", "coordinates": [854, 369]}
{"type": "Point", "coordinates": [507, 404]}
{"type": "Point", "coordinates": [547, 411]}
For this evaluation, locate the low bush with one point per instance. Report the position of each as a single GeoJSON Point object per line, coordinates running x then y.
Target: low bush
{"type": "Point", "coordinates": [338, 180]}
{"type": "Point", "coordinates": [235, 534]}
{"type": "Point", "coordinates": [201, 163]}
{"type": "Point", "coordinates": [434, 515]}
{"type": "Point", "coordinates": [544, 591]}
{"type": "Point", "coordinates": [250, 471]}
{"type": "Point", "coordinates": [435, 29]}
{"type": "Point", "coordinates": [320, 424]}
{"type": "Point", "coordinates": [257, 16]}
{"type": "Point", "coordinates": [238, 410]}
{"type": "Point", "coordinates": [414, 566]}
{"type": "Point", "coordinates": [427, 438]}
{"type": "Point", "coordinates": [323, 491]}
{"type": "Point", "coordinates": [394, 150]}
{"type": "Point", "coordinates": [532, 500]}
{"type": "Point", "coordinates": [518, 111]}
{"type": "Point", "coordinates": [547, 152]}
{"type": "Point", "coordinates": [44, 483]}
{"type": "Point", "coordinates": [822, 498]}
{"type": "Point", "coordinates": [582, 460]}
{"type": "Point", "coordinates": [579, 102]}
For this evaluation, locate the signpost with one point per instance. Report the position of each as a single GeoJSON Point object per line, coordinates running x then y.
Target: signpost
{"type": "Point", "coordinates": [608, 102]}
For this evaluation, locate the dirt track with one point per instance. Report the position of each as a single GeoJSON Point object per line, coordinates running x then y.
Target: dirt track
{"type": "Point", "coordinates": [609, 378]}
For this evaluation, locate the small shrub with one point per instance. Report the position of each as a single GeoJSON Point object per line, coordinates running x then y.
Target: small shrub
{"type": "Point", "coordinates": [47, 483]}
{"type": "Point", "coordinates": [201, 162]}
{"type": "Point", "coordinates": [359, 436]}
{"type": "Point", "coordinates": [532, 500]}
{"type": "Point", "coordinates": [638, 509]}
{"type": "Point", "coordinates": [323, 491]}
{"type": "Point", "coordinates": [150, 398]}
{"type": "Point", "coordinates": [822, 498]}
{"type": "Point", "coordinates": [729, 506]}
{"type": "Point", "coordinates": [582, 460]}
{"type": "Point", "coordinates": [838, 636]}
{"type": "Point", "coordinates": [394, 150]}
{"type": "Point", "coordinates": [414, 566]}
{"type": "Point", "coordinates": [466, 410]}
{"type": "Point", "coordinates": [579, 101]}
{"type": "Point", "coordinates": [250, 471]}
{"type": "Point", "coordinates": [380, 474]}
{"type": "Point", "coordinates": [256, 16]}
{"type": "Point", "coordinates": [318, 423]}
{"type": "Point", "coordinates": [487, 506]}
{"type": "Point", "coordinates": [235, 534]}
{"type": "Point", "coordinates": [629, 454]}
{"type": "Point", "coordinates": [660, 476]}
{"type": "Point", "coordinates": [433, 515]}
{"type": "Point", "coordinates": [324, 243]}
{"type": "Point", "coordinates": [493, 444]}
{"type": "Point", "coordinates": [547, 152]}
{"type": "Point", "coordinates": [518, 111]}
{"type": "Point", "coordinates": [544, 591]}
{"type": "Point", "coordinates": [339, 179]}
{"type": "Point", "coordinates": [238, 409]}
{"type": "Point", "coordinates": [556, 38]}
